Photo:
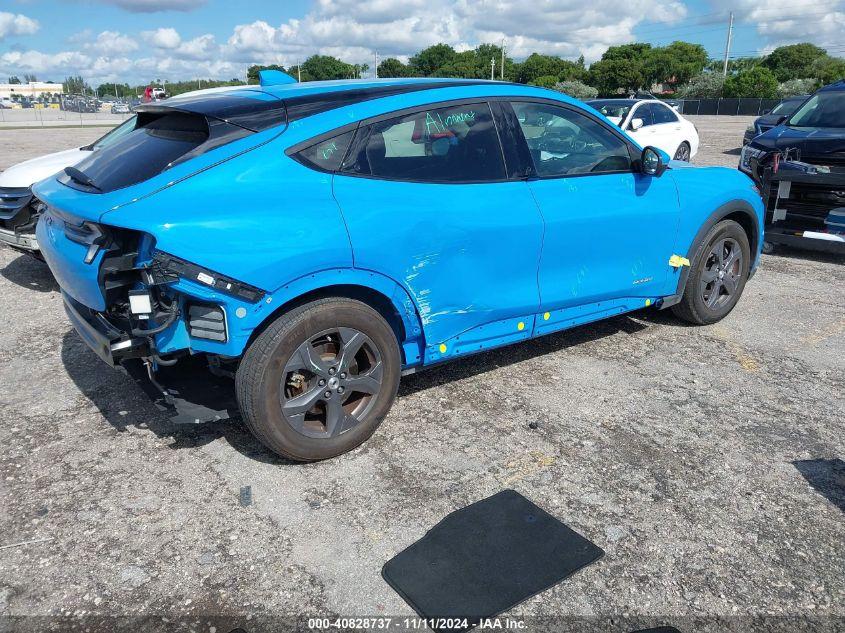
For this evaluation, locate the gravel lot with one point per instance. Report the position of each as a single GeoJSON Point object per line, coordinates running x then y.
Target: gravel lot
{"type": "Point", "coordinates": [706, 462]}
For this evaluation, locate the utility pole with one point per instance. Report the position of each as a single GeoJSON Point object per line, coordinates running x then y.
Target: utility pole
{"type": "Point", "coordinates": [492, 68]}
{"type": "Point", "coordinates": [728, 44]}
{"type": "Point", "coordinates": [375, 67]}
{"type": "Point", "coordinates": [502, 65]}
{"type": "Point", "coordinates": [299, 72]}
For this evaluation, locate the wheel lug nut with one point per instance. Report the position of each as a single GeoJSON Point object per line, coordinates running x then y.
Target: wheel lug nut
{"type": "Point", "coordinates": [332, 371]}
{"type": "Point", "coordinates": [322, 383]}
{"type": "Point", "coordinates": [343, 376]}
{"type": "Point", "coordinates": [328, 394]}
{"type": "Point", "coordinates": [341, 389]}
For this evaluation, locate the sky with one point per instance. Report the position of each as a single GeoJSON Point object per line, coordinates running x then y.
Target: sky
{"type": "Point", "coordinates": [137, 41]}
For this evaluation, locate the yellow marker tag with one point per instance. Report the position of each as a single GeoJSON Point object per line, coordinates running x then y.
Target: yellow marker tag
{"type": "Point", "coordinates": [647, 302]}
{"type": "Point", "coordinates": [546, 316]}
{"type": "Point", "coordinates": [520, 326]}
{"type": "Point", "coordinates": [676, 261]}
{"type": "Point", "coordinates": [442, 348]}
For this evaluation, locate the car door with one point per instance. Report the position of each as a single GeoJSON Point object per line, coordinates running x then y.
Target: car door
{"type": "Point", "coordinates": [609, 229]}
{"type": "Point", "coordinates": [647, 134]}
{"type": "Point", "coordinates": [427, 201]}
{"type": "Point", "coordinates": [667, 128]}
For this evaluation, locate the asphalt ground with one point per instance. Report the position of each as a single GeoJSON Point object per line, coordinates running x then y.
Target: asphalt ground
{"type": "Point", "coordinates": [706, 461]}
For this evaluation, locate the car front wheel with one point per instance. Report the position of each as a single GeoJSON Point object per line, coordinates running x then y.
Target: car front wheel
{"type": "Point", "coordinates": [683, 152]}
{"type": "Point", "coordinates": [719, 270]}
{"type": "Point", "coordinates": [320, 379]}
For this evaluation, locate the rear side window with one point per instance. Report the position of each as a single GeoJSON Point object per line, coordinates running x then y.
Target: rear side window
{"type": "Point", "coordinates": [326, 155]}
{"type": "Point", "coordinates": [663, 114]}
{"type": "Point", "coordinates": [645, 113]}
{"type": "Point", "coordinates": [137, 155]}
{"type": "Point", "coordinates": [450, 144]}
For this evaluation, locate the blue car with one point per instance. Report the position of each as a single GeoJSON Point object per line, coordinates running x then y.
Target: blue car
{"type": "Point", "coordinates": [318, 240]}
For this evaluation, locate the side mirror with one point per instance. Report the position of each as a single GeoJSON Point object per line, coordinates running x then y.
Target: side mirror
{"type": "Point", "coordinates": [636, 124]}
{"type": "Point", "coordinates": [652, 163]}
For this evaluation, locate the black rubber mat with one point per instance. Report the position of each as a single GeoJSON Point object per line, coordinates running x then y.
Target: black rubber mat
{"type": "Point", "coordinates": [483, 559]}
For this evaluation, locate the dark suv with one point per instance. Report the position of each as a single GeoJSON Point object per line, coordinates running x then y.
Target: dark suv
{"type": "Point", "coordinates": [800, 169]}
{"type": "Point", "coordinates": [773, 117]}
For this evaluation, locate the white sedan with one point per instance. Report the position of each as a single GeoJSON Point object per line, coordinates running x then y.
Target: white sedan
{"type": "Point", "coordinates": [652, 122]}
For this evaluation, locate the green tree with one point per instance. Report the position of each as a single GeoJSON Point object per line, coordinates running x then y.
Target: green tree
{"type": "Point", "coordinates": [29, 77]}
{"type": "Point", "coordinates": [536, 66]}
{"type": "Point", "coordinates": [611, 76]}
{"type": "Point", "coordinates": [759, 82]}
{"type": "Point", "coordinates": [827, 70]}
{"type": "Point", "coordinates": [795, 87]}
{"type": "Point", "coordinates": [392, 67]}
{"type": "Point", "coordinates": [14, 79]}
{"type": "Point", "coordinates": [546, 81]}
{"type": "Point", "coordinates": [75, 85]}
{"type": "Point", "coordinates": [429, 60]}
{"type": "Point", "coordinates": [577, 89]}
{"type": "Point", "coordinates": [794, 61]}
{"type": "Point", "coordinates": [323, 67]}
{"type": "Point", "coordinates": [674, 64]}
{"type": "Point", "coordinates": [252, 72]}
{"type": "Point", "coordinates": [703, 86]}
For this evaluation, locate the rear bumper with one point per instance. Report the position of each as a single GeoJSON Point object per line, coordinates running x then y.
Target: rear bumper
{"type": "Point", "coordinates": [20, 241]}
{"type": "Point", "coordinates": [104, 339]}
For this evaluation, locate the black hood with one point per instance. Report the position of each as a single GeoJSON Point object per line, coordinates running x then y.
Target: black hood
{"type": "Point", "coordinates": [811, 142]}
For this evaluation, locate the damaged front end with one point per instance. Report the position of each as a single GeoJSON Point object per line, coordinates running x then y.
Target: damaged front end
{"type": "Point", "coordinates": [804, 196]}
{"type": "Point", "coordinates": [19, 212]}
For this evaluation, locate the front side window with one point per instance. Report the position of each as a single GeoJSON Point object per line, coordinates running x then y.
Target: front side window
{"type": "Point", "coordinates": [565, 142]}
{"type": "Point", "coordinates": [663, 114]}
{"type": "Point", "coordinates": [449, 144]}
{"type": "Point", "coordinates": [645, 113]}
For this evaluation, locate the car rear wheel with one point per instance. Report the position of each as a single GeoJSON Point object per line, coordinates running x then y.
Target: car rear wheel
{"type": "Point", "coordinates": [717, 275]}
{"type": "Point", "coordinates": [320, 379]}
{"type": "Point", "coordinates": [683, 152]}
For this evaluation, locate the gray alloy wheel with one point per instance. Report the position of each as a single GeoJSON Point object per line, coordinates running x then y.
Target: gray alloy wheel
{"type": "Point", "coordinates": [683, 152]}
{"type": "Point", "coordinates": [723, 269]}
{"type": "Point", "coordinates": [331, 382]}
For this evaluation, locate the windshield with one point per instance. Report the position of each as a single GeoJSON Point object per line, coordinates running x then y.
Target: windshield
{"type": "Point", "coordinates": [785, 108]}
{"type": "Point", "coordinates": [612, 108]}
{"type": "Point", "coordinates": [124, 128]}
{"type": "Point", "coordinates": [823, 109]}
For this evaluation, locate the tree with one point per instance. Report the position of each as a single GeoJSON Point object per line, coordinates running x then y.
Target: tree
{"type": "Point", "coordinates": [703, 86]}
{"type": "Point", "coordinates": [429, 60]}
{"type": "Point", "coordinates": [675, 64]}
{"type": "Point", "coordinates": [75, 85]}
{"type": "Point", "coordinates": [323, 67]}
{"type": "Point", "coordinates": [759, 82]}
{"type": "Point", "coordinates": [29, 78]}
{"type": "Point", "coordinates": [794, 61]}
{"type": "Point", "coordinates": [546, 81]}
{"type": "Point", "coordinates": [536, 66]}
{"type": "Point", "coordinates": [392, 67]}
{"type": "Point", "coordinates": [827, 70]}
{"type": "Point", "coordinates": [795, 87]}
{"type": "Point", "coordinates": [252, 72]}
{"type": "Point", "coordinates": [14, 79]}
{"type": "Point", "coordinates": [612, 75]}
{"type": "Point", "coordinates": [577, 89]}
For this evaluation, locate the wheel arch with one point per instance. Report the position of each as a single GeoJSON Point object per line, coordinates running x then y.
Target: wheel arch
{"type": "Point", "coordinates": [741, 212]}
{"type": "Point", "coordinates": [379, 292]}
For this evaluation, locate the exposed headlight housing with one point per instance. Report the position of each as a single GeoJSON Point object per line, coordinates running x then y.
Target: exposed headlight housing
{"type": "Point", "coordinates": [745, 157]}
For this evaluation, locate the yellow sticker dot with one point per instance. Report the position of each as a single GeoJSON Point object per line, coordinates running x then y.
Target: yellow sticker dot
{"type": "Point", "coordinates": [546, 316]}
{"type": "Point", "coordinates": [648, 302]}
{"type": "Point", "coordinates": [442, 348]}
{"type": "Point", "coordinates": [520, 326]}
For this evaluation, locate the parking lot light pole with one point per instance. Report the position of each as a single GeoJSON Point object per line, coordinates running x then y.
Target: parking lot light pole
{"type": "Point", "coordinates": [728, 44]}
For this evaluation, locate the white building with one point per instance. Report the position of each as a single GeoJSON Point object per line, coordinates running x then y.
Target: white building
{"type": "Point", "coordinates": [31, 89]}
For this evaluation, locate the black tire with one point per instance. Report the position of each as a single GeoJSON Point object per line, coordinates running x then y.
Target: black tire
{"type": "Point", "coordinates": [695, 305]}
{"type": "Point", "coordinates": [683, 152]}
{"type": "Point", "coordinates": [265, 365]}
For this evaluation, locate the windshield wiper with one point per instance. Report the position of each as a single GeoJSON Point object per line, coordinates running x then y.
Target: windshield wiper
{"type": "Point", "coordinates": [81, 177]}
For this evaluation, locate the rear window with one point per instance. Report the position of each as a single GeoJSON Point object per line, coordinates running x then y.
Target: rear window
{"type": "Point", "coordinates": [156, 144]}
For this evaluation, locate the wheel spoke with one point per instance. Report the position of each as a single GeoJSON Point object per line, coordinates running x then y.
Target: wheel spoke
{"type": "Point", "coordinates": [731, 259]}
{"type": "Point", "coordinates": [307, 358]}
{"type": "Point", "coordinates": [714, 293]}
{"type": "Point", "coordinates": [304, 402]}
{"type": "Point", "coordinates": [719, 251]}
{"type": "Point", "coordinates": [729, 282]}
{"type": "Point", "coordinates": [369, 382]}
{"type": "Point", "coordinates": [708, 276]}
{"type": "Point", "coordinates": [337, 420]}
{"type": "Point", "coordinates": [351, 341]}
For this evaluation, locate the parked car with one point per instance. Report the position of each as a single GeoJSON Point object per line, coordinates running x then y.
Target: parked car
{"type": "Point", "coordinates": [766, 122]}
{"type": "Point", "coordinates": [799, 166]}
{"type": "Point", "coordinates": [120, 107]}
{"type": "Point", "coordinates": [19, 208]}
{"type": "Point", "coordinates": [652, 122]}
{"type": "Point", "coordinates": [315, 241]}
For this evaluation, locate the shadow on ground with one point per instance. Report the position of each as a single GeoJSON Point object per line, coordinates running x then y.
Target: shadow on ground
{"type": "Point", "coordinates": [28, 272]}
{"type": "Point", "coordinates": [128, 398]}
{"type": "Point", "coordinates": [827, 476]}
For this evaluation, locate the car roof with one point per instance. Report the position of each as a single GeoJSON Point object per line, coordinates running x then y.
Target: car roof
{"type": "Point", "coordinates": [836, 86]}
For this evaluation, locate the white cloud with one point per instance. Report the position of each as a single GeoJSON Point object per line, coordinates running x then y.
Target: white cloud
{"type": "Point", "coordinates": [166, 38]}
{"type": "Point", "coordinates": [154, 6]}
{"type": "Point", "coordinates": [113, 43]}
{"type": "Point", "coordinates": [16, 24]}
